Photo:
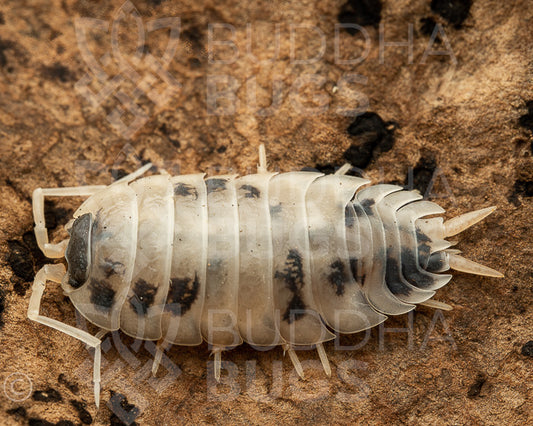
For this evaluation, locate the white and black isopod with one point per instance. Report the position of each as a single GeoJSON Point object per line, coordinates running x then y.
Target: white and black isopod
{"type": "Point", "coordinates": [269, 259]}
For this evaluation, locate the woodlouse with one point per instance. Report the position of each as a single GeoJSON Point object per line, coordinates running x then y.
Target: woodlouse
{"type": "Point", "coordinates": [269, 259]}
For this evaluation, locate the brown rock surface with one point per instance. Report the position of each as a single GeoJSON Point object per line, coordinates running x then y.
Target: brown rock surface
{"type": "Point", "coordinates": [460, 117]}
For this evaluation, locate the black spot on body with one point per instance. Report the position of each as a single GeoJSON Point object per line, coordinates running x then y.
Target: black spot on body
{"type": "Point", "coordinates": [109, 267]}
{"type": "Point", "coordinates": [251, 191]}
{"type": "Point", "coordinates": [143, 297]}
{"type": "Point", "coordinates": [102, 295]}
{"type": "Point", "coordinates": [337, 278]}
{"type": "Point", "coordinates": [367, 206]}
{"type": "Point", "coordinates": [20, 261]}
{"type": "Point", "coordinates": [184, 190]}
{"type": "Point", "coordinates": [182, 294]}
{"type": "Point", "coordinates": [393, 277]}
{"type": "Point", "coordinates": [81, 408]}
{"type": "Point", "coordinates": [2, 19]}
{"type": "Point", "coordinates": [360, 12]}
{"type": "Point", "coordinates": [349, 216]}
{"type": "Point", "coordinates": [58, 71]}
{"type": "Point", "coordinates": [78, 251]}
{"type": "Point", "coordinates": [410, 270]}
{"type": "Point", "coordinates": [275, 209]}
{"type": "Point", "coordinates": [48, 395]}
{"type": "Point", "coordinates": [436, 262]}
{"type": "Point", "coordinates": [527, 349]}
{"type": "Point", "coordinates": [215, 185]}
{"type": "Point", "coordinates": [221, 149]}
{"type": "Point", "coordinates": [475, 388]}
{"type": "Point", "coordinates": [454, 11]}
{"type": "Point", "coordinates": [423, 247]}
{"type": "Point", "coordinates": [122, 411]}
{"type": "Point", "coordinates": [373, 135]}
{"type": "Point", "coordinates": [293, 276]}
{"type": "Point", "coordinates": [353, 267]}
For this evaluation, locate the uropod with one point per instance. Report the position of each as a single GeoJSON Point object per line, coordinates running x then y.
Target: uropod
{"type": "Point", "coordinates": [268, 259]}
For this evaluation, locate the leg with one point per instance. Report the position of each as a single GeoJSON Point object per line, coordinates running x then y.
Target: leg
{"type": "Point", "coordinates": [294, 358]}
{"type": "Point", "coordinates": [323, 358]}
{"type": "Point", "coordinates": [134, 175]}
{"type": "Point", "coordinates": [41, 233]}
{"type": "Point", "coordinates": [345, 168]}
{"type": "Point", "coordinates": [217, 352]}
{"type": "Point", "coordinates": [159, 349]}
{"type": "Point", "coordinates": [55, 273]}
{"type": "Point", "coordinates": [262, 167]}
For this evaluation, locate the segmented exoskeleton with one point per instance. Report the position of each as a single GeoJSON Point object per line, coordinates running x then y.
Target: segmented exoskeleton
{"type": "Point", "coordinates": [269, 259]}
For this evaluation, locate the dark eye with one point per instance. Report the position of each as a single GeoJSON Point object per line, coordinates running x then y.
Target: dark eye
{"type": "Point", "coordinates": [78, 254]}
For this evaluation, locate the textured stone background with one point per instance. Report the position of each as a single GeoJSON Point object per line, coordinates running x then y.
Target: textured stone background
{"type": "Point", "coordinates": [463, 126]}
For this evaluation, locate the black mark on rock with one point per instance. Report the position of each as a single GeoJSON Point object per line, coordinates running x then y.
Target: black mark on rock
{"type": "Point", "coordinates": [143, 296]}
{"type": "Point", "coordinates": [48, 395]}
{"type": "Point", "coordinates": [122, 411]}
{"type": "Point", "coordinates": [526, 120]}
{"type": "Point", "coordinates": [428, 26]}
{"type": "Point", "coordinates": [20, 261]}
{"type": "Point", "coordinates": [19, 412]}
{"type": "Point", "coordinates": [360, 12]}
{"type": "Point", "coordinates": [4, 45]}
{"type": "Point", "coordinates": [73, 387]}
{"type": "Point", "coordinates": [454, 11]}
{"type": "Point", "coordinates": [182, 294]}
{"type": "Point", "coordinates": [58, 71]}
{"type": "Point", "coordinates": [81, 407]}
{"type": "Point", "coordinates": [522, 188]}
{"type": "Point", "coordinates": [422, 173]}
{"type": "Point", "coordinates": [373, 135]}
{"type": "Point", "coordinates": [475, 388]}
{"type": "Point", "coordinates": [527, 349]}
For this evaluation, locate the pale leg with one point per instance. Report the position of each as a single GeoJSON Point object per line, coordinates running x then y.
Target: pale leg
{"type": "Point", "coordinates": [262, 167]}
{"type": "Point", "coordinates": [41, 233]}
{"type": "Point", "coordinates": [55, 273]}
{"type": "Point", "coordinates": [323, 358]}
{"type": "Point", "coordinates": [294, 358]}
